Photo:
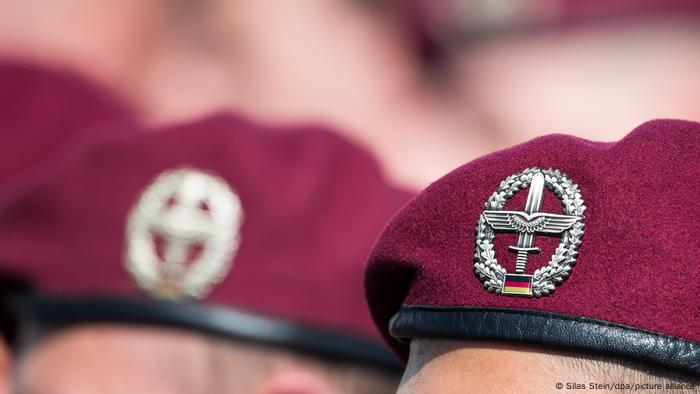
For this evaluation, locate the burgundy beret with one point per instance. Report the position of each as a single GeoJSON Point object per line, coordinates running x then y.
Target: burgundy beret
{"type": "Point", "coordinates": [220, 225]}
{"type": "Point", "coordinates": [44, 111]}
{"type": "Point", "coordinates": [617, 226]}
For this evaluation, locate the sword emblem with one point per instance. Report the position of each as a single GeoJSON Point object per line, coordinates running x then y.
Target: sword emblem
{"type": "Point", "coordinates": [529, 223]}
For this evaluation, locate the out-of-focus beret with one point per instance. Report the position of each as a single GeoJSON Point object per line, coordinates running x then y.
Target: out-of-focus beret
{"type": "Point", "coordinates": [219, 225]}
{"type": "Point", "coordinates": [44, 111]}
{"type": "Point", "coordinates": [617, 227]}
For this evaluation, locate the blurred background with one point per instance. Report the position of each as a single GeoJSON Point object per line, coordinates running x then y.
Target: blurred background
{"type": "Point", "coordinates": [423, 85]}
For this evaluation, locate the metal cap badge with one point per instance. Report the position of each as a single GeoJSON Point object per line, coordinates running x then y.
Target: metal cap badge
{"type": "Point", "coordinates": [182, 234]}
{"type": "Point", "coordinates": [528, 224]}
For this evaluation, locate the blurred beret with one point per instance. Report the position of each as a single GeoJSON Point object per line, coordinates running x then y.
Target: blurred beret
{"type": "Point", "coordinates": [45, 111]}
{"type": "Point", "coordinates": [617, 227]}
{"type": "Point", "coordinates": [219, 225]}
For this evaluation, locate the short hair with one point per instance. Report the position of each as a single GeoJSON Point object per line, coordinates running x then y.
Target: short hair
{"type": "Point", "coordinates": [595, 367]}
{"type": "Point", "coordinates": [576, 367]}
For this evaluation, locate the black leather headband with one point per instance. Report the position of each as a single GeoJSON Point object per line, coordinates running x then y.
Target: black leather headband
{"type": "Point", "coordinates": [212, 320]}
{"type": "Point", "coordinates": [547, 329]}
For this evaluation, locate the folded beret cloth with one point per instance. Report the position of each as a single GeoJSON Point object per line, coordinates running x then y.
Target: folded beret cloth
{"type": "Point", "coordinates": [312, 204]}
{"type": "Point", "coordinates": [632, 285]}
{"type": "Point", "coordinates": [43, 111]}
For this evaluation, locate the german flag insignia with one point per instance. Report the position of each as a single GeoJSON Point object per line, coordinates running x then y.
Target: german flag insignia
{"type": "Point", "coordinates": [517, 285]}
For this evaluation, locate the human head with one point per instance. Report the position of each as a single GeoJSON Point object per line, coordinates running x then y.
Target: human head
{"type": "Point", "coordinates": [603, 216]}
{"type": "Point", "coordinates": [521, 68]}
{"type": "Point", "coordinates": [219, 228]}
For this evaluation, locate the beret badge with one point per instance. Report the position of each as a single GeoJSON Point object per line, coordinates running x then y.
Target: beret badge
{"type": "Point", "coordinates": [182, 234]}
{"type": "Point", "coordinates": [528, 224]}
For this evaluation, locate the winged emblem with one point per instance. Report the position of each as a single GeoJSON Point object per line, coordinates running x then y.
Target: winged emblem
{"type": "Point", "coordinates": [529, 224]}
{"type": "Point", "coordinates": [522, 222]}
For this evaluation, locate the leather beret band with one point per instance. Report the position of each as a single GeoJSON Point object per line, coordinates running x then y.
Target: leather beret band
{"type": "Point", "coordinates": [218, 321]}
{"type": "Point", "coordinates": [546, 329]}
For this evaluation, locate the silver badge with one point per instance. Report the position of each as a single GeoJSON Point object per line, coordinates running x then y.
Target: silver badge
{"type": "Point", "coordinates": [182, 234]}
{"type": "Point", "coordinates": [528, 224]}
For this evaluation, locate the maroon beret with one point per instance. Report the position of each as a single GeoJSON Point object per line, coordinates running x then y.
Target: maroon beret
{"type": "Point", "coordinates": [220, 225]}
{"type": "Point", "coordinates": [44, 111]}
{"type": "Point", "coordinates": [617, 227]}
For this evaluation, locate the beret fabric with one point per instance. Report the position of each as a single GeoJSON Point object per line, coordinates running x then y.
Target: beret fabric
{"type": "Point", "coordinates": [633, 290]}
{"type": "Point", "coordinates": [312, 206]}
{"type": "Point", "coordinates": [44, 111]}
